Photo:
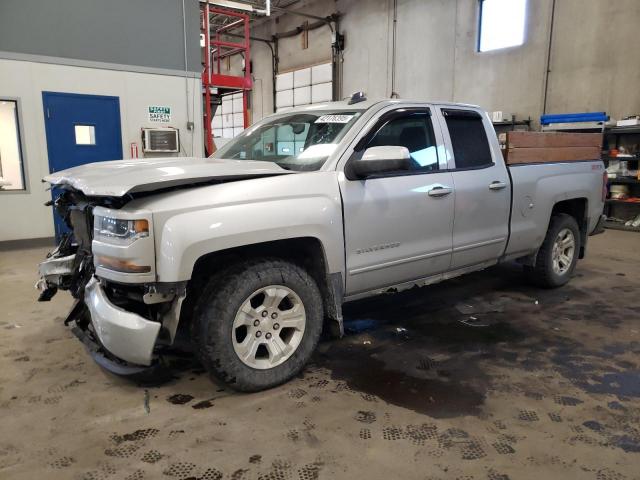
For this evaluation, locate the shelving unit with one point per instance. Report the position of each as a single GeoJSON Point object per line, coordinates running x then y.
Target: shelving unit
{"type": "Point", "coordinates": [614, 137]}
{"type": "Point", "coordinates": [620, 226]}
{"type": "Point", "coordinates": [615, 200]}
{"type": "Point", "coordinates": [624, 180]}
{"type": "Point", "coordinates": [510, 126]}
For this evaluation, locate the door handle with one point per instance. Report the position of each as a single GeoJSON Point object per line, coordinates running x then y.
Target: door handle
{"type": "Point", "coordinates": [439, 191]}
{"type": "Point", "coordinates": [497, 185]}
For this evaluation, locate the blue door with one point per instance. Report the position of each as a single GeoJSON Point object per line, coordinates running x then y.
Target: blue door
{"type": "Point", "coordinates": [80, 129]}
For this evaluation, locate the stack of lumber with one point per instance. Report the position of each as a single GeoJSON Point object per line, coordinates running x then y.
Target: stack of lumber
{"type": "Point", "coordinates": [549, 147]}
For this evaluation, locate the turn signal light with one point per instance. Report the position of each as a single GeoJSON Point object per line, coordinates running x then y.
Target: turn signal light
{"type": "Point", "coordinates": [119, 265]}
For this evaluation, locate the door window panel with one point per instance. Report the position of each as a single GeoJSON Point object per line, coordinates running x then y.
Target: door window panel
{"type": "Point", "coordinates": [468, 138]}
{"type": "Point", "coordinates": [11, 165]}
{"type": "Point", "coordinates": [85, 134]}
{"type": "Point", "coordinates": [413, 131]}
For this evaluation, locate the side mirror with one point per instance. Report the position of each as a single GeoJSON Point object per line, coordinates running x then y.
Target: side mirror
{"type": "Point", "coordinates": [380, 160]}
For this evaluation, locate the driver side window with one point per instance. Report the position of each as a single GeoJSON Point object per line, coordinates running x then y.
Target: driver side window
{"type": "Point", "coordinates": [412, 130]}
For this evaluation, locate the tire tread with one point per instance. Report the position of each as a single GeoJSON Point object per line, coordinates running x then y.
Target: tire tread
{"type": "Point", "coordinates": [542, 273]}
{"type": "Point", "coordinates": [214, 306]}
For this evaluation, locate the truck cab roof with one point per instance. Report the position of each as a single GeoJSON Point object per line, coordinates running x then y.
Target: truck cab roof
{"type": "Point", "coordinates": [368, 103]}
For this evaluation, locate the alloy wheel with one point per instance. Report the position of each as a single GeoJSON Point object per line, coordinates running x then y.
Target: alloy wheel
{"type": "Point", "coordinates": [563, 251]}
{"type": "Point", "coordinates": [268, 327]}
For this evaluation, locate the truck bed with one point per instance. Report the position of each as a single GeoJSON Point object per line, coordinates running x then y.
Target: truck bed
{"type": "Point", "coordinates": [537, 187]}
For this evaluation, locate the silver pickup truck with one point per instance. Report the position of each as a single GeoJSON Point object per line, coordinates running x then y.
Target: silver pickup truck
{"type": "Point", "coordinates": [254, 250]}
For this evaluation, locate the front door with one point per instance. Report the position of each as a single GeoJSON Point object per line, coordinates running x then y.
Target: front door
{"type": "Point", "coordinates": [80, 129]}
{"type": "Point", "coordinates": [398, 227]}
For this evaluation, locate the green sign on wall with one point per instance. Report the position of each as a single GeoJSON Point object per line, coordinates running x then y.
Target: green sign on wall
{"type": "Point", "coordinates": [159, 113]}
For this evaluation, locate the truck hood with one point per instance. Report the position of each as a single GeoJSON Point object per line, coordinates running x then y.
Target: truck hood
{"type": "Point", "coordinates": [120, 177]}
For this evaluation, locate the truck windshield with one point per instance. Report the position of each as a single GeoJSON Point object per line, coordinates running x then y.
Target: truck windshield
{"type": "Point", "coordinates": [297, 141]}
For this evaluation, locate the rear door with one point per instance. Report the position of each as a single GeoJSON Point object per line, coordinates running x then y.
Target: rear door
{"type": "Point", "coordinates": [482, 186]}
{"type": "Point", "coordinates": [398, 226]}
{"type": "Point", "coordinates": [80, 129]}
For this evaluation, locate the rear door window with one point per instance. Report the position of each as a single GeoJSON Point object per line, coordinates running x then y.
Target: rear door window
{"type": "Point", "coordinates": [468, 139]}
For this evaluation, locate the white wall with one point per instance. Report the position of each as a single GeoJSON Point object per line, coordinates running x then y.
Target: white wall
{"type": "Point", "coordinates": [22, 214]}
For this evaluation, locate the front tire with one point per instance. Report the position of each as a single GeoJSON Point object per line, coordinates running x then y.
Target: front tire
{"type": "Point", "coordinates": [558, 255]}
{"type": "Point", "coordinates": [257, 324]}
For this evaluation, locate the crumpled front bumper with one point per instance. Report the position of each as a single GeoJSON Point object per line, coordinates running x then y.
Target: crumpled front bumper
{"type": "Point", "coordinates": [124, 334]}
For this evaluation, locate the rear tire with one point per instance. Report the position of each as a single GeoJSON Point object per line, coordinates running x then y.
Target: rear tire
{"type": "Point", "coordinates": [558, 255]}
{"type": "Point", "coordinates": [257, 324]}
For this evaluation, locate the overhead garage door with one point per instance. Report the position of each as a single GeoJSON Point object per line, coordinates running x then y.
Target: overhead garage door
{"type": "Point", "coordinates": [228, 121]}
{"type": "Point", "coordinates": [304, 86]}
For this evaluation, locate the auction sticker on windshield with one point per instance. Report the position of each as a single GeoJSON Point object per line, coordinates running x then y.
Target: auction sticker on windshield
{"type": "Point", "coordinates": [334, 118]}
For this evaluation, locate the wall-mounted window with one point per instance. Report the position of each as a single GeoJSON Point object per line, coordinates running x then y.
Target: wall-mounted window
{"type": "Point", "coordinates": [11, 167]}
{"type": "Point", "coordinates": [502, 24]}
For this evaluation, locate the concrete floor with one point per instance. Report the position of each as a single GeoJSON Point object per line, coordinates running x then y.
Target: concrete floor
{"type": "Point", "coordinates": [481, 377]}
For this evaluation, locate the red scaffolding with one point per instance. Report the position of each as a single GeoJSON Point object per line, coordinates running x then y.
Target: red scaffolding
{"type": "Point", "coordinates": [216, 48]}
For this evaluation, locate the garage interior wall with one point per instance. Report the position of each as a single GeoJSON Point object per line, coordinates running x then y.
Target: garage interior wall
{"type": "Point", "coordinates": [436, 56]}
{"type": "Point", "coordinates": [143, 52]}
{"type": "Point", "coordinates": [135, 90]}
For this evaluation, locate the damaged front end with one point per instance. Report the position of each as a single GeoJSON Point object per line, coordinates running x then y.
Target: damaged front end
{"type": "Point", "coordinates": [121, 314]}
{"type": "Point", "coordinates": [70, 265]}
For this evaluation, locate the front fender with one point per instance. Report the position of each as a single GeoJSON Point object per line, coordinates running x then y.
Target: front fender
{"type": "Point", "coordinates": [189, 235]}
